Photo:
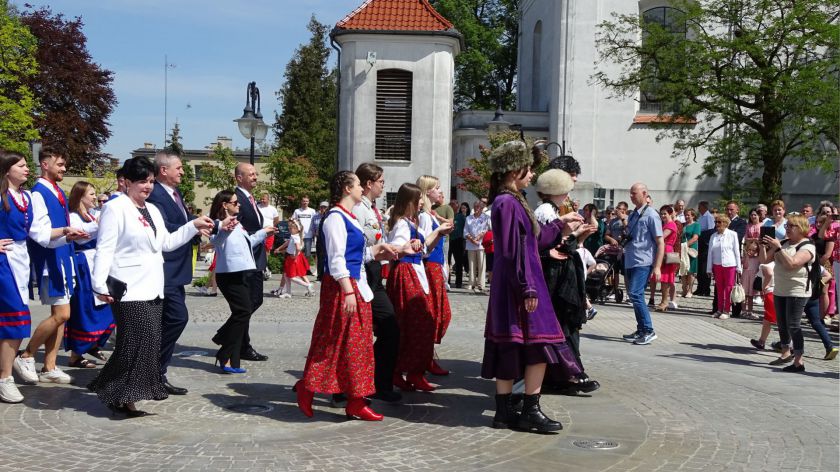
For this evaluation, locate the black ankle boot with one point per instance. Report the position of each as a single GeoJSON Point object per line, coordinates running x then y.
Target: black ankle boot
{"type": "Point", "coordinates": [505, 415]}
{"type": "Point", "coordinates": [533, 419]}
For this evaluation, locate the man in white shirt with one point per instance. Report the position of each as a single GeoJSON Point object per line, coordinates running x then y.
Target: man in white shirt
{"type": "Point", "coordinates": [707, 220]}
{"type": "Point", "coordinates": [270, 218]}
{"type": "Point", "coordinates": [304, 214]}
{"type": "Point", "coordinates": [54, 269]}
{"type": "Point", "coordinates": [474, 229]}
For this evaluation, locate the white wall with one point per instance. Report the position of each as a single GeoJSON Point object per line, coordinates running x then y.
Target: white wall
{"type": "Point", "coordinates": [431, 60]}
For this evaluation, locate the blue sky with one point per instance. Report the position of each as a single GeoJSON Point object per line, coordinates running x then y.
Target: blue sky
{"type": "Point", "coordinates": [217, 48]}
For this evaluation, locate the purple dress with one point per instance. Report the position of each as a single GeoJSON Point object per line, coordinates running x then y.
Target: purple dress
{"type": "Point", "coordinates": [515, 338]}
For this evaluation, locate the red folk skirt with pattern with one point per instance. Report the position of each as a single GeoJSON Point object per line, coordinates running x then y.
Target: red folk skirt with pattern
{"type": "Point", "coordinates": [340, 356]}
{"type": "Point", "coordinates": [414, 315]}
{"type": "Point", "coordinates": [438, 299]}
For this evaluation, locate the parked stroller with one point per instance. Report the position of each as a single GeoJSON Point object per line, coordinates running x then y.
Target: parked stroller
{"type": "Point", "coordinates": [599, 281]}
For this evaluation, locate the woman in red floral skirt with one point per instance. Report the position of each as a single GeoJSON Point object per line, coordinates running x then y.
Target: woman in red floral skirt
{"type": "Point", "coordinates": [340, 356]}
{"type": "Point", "coordinates": [434, 261]}
{"type": "Point", "coordinates": [408, 289]}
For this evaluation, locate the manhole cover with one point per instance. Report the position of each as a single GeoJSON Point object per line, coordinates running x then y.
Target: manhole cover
{"type": "Point", "coordinates": [191, 354]}
{"type": "Point", "coordinates": [595, 444]}
{"type": "Point", "coordinates": [250, 408]}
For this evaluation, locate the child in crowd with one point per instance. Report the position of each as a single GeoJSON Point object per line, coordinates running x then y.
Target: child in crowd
{"type": "Point", "coordinates": [765, 274]}
{"type": "Point", "coordinates": [295, 266]}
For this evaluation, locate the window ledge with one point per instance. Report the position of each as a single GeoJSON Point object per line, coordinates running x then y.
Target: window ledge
{"type": "Point", "coordinates": [648, 118]}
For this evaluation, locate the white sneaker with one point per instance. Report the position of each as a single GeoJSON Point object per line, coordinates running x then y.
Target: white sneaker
{"type": "Point", "coordinates": [758, 301]}
{"type": "Point", "coordinates": [284, 295]}
{"type": "Point", "coordinates": [275, 292]}
{"type": "Point", "coordinates": [672, 305]}
{"type": "Point", "coordinates": [9, 392]}
{"type": "Point", "coordinates": [723, 316]}
{"type": "Point", "coordinates": [54, 376]}
{"type": "Point", "coordinates": [309, 291]}
{"type": "Point", "coordinates": [25, 368]}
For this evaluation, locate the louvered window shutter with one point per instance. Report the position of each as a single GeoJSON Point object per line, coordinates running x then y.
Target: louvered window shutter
{"type": "Point", "coordinates": [393, 114]}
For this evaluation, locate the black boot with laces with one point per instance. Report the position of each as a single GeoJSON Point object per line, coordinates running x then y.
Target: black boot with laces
{"type": "Point", "coordinates": [532, 418]}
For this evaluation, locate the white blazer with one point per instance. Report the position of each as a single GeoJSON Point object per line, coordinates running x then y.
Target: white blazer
{"type": "Point", "coordinates": [128, 249]}
{"type": "Point", "coordinates": [727, 247]}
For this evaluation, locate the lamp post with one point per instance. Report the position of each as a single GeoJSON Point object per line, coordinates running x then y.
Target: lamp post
{"type": "Point", "coordinates": [251, 125]}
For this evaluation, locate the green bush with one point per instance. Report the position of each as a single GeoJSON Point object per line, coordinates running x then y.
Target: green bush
{"type": "Point", "coordinates": [201, 281]}
{"type": "Point", "coordinates": [275, 263]}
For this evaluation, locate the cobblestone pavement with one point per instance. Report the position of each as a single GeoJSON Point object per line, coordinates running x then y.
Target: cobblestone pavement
{"type": "Point", "coordinates": [698, 398]}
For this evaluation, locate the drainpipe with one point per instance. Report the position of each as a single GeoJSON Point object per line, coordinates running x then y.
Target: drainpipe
{"type": "Point", "coordinates": [337, 102]}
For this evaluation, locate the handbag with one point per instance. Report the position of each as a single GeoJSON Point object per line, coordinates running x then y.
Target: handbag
{"type": "Point", "coordinates": [737, 294]}
{"type": "Point", "coordinates": [692, 252]}
{"type": "Point", "coordinates": [672, 258]}
{"type": "Point", "coordinates": [685, 262]}
{"type": "Point", "coordinates": [116, 288]}
{"type": "Point", "coordinates": [758, 283]}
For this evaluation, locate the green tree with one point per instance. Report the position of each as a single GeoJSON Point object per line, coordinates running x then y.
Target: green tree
{"type": "Point", "coordinates": [307, 124]}
{"type": "Point", "coordinates": [105, 182]}
{"type": "Point", "coordinates": [759, 76]}
{"type": "Point", "coordinates": [17, 66]}
{"type": "Point", "coordinates": [475, 178]}
{"type": "Point", "coordinates": [491, 33]}
{"type": "Point", "coordinates": [290, 178]}
{"type": "Point", "coordinates": [187, 185]}
{"type": "Point", "coordinates": [219, 176]}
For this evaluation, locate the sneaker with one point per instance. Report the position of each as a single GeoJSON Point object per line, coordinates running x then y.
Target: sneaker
{"type": "Point", "coordinates": [830, 354]}
{"type": "Point", "coordinates": [632, 336]}
{"type": "Point", "coordinates": [25, 368]}
{"type": "Point", "coordinates": [591, 312]}
{"type": "Point", "coordinates": [723, 316]}
{"type": "Point", "coordinates": [54, 376]}
{"type": "Point", "coordinates": [309, 291]}
{"type": "Point", "coordinates": [284, 295]}
{"type": "Point", "coordinates": [758, 301]}
{"type": "Point", "coordinates": [646, 338]}
{"type": "Point", "coordinates": [672, 305]}
{"type": "Point", "coordinates": [9, 392]}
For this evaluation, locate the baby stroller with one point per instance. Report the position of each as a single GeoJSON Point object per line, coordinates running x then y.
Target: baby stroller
{"type": "Point", "coordinates": [599, 281]}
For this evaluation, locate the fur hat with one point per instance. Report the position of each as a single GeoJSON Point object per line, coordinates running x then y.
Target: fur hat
{"type": "Point", "coordinates": [511, 155]}
{"type": "Point", "coordinates": [555, 182]}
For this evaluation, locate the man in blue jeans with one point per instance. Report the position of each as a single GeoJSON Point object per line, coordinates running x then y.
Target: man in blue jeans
{"type": "Point", "coordinates": [643, 254]}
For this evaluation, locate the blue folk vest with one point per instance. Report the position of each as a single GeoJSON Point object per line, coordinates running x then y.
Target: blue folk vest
{"type": "Point", "coordinates": [14, 224]}
{"type": "Point", "coordinates": [354, 251]}
{"type": "Point", "coordinates": [437, 254]}
{"type": "Point", "coordinates": [55, 259]}
{"type": "Point", "coordinates": [415, 258]}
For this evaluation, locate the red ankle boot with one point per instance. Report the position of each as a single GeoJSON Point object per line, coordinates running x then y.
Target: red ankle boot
{"type": "Point", "coordinates": [357, 408]}
{"type": "Point", "coordinates": [304, 398]}
{"type": "Point", "coordinates": [436, 369]}
{"type": "Point", "coordinates": [401, 384]}
{"type": "Point", "coordinates": [419, 382]}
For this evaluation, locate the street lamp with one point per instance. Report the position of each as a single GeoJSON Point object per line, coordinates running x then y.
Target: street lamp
{"type": "Point", "coordinates": [251, 125]}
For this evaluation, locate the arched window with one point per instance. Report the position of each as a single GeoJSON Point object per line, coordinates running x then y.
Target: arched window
{"type": "Point", "coordinates": [669, 20]}
{"type": "Point", "coordinates": [536, 67]}
{"type": "Point", "coordinates": [393, 114]}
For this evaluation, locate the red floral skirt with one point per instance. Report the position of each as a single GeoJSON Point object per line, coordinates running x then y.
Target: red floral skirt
{"type": "Point", "coordinates": [340, 356]}
{"type": "Point", "coordinates": [295, 266]}
{"type": "Point", "coordinates": [414, 315]}
{"type": "Point", "coordinates": [438, 299]}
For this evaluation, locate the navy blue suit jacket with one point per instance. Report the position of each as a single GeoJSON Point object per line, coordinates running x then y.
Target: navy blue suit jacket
{"type": "Point", "coordinates": [177, 264]}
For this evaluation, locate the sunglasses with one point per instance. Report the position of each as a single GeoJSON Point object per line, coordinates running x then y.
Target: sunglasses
{"type": "Point", "coordinates": [234, 202]}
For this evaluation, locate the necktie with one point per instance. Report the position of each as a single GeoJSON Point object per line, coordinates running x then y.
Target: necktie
{"type": "Point", "coordinates": [256, 210]}
{"type": "Point", "coordinates": [179, 202]}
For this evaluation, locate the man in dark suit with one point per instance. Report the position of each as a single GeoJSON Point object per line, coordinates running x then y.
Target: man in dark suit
{"type": "Point", "coordinates": [252, 220]}
{"type": "Point", "coordinates": [704, 282]}
{"type": "Point", "coordinates": [177, 264]}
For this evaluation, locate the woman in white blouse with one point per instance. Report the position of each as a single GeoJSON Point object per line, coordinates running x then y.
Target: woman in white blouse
{"type": "Point", "coordinates": [340, 358]}
{"type": "Point", "coordinates": [723, 261]}
{"type": "Point", "coordinates": [130, 247]}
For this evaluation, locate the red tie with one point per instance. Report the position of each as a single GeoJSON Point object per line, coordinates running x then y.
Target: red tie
{"type": "Point", "coordinates": [58, 191]}
{"type": "Point", "coordinates": [179, 202]}
{"type": "Point", "coordinates": [253, 203]}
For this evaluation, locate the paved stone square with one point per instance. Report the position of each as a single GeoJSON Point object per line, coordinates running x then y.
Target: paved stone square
{"type": "Point", "coordinates": [698, 398]}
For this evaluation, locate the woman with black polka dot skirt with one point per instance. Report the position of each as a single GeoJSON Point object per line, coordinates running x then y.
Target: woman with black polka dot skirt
{"type": "Point", "coordinates": [132, 240]}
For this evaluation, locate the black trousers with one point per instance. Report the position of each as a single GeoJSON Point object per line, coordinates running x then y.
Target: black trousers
{"type": "Point", "coordinates": [385, 328]}
{"type": "Point", "coordinates": [237, 292]}
{"type": "Point", "coordinates": [255, 282]}
{"type": "Point", "coordinates": [458, 248]}
{"type": "Point", "coordinates": [704, 282]}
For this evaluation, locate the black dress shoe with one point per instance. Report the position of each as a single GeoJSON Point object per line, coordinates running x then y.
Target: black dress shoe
{"type": "Point", "coordinates": [251, 355]}
{"type": "Point", "coordinates": [173, 390]}
{"type": "Point", "coordinates": [216, 340]}
{"type": "Point", "coordinates": [389, 396]}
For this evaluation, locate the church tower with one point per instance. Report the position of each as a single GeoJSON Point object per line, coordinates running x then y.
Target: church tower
{"type": "Point", "coordinates": [396, 86]}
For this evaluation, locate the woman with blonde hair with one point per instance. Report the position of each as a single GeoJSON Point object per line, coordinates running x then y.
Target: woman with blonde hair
{"type": "Point", "coordinates": [777, 218]}
{"type": "Point", "coordinates": [91, 320]}
{"type": "Point", "coordinates": [723, 261]}
{"type": "Point", "coordinates": [434, 262]}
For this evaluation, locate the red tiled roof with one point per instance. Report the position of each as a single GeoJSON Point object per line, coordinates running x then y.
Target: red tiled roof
{"type": "Point", "coordinates": [394, 15]}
